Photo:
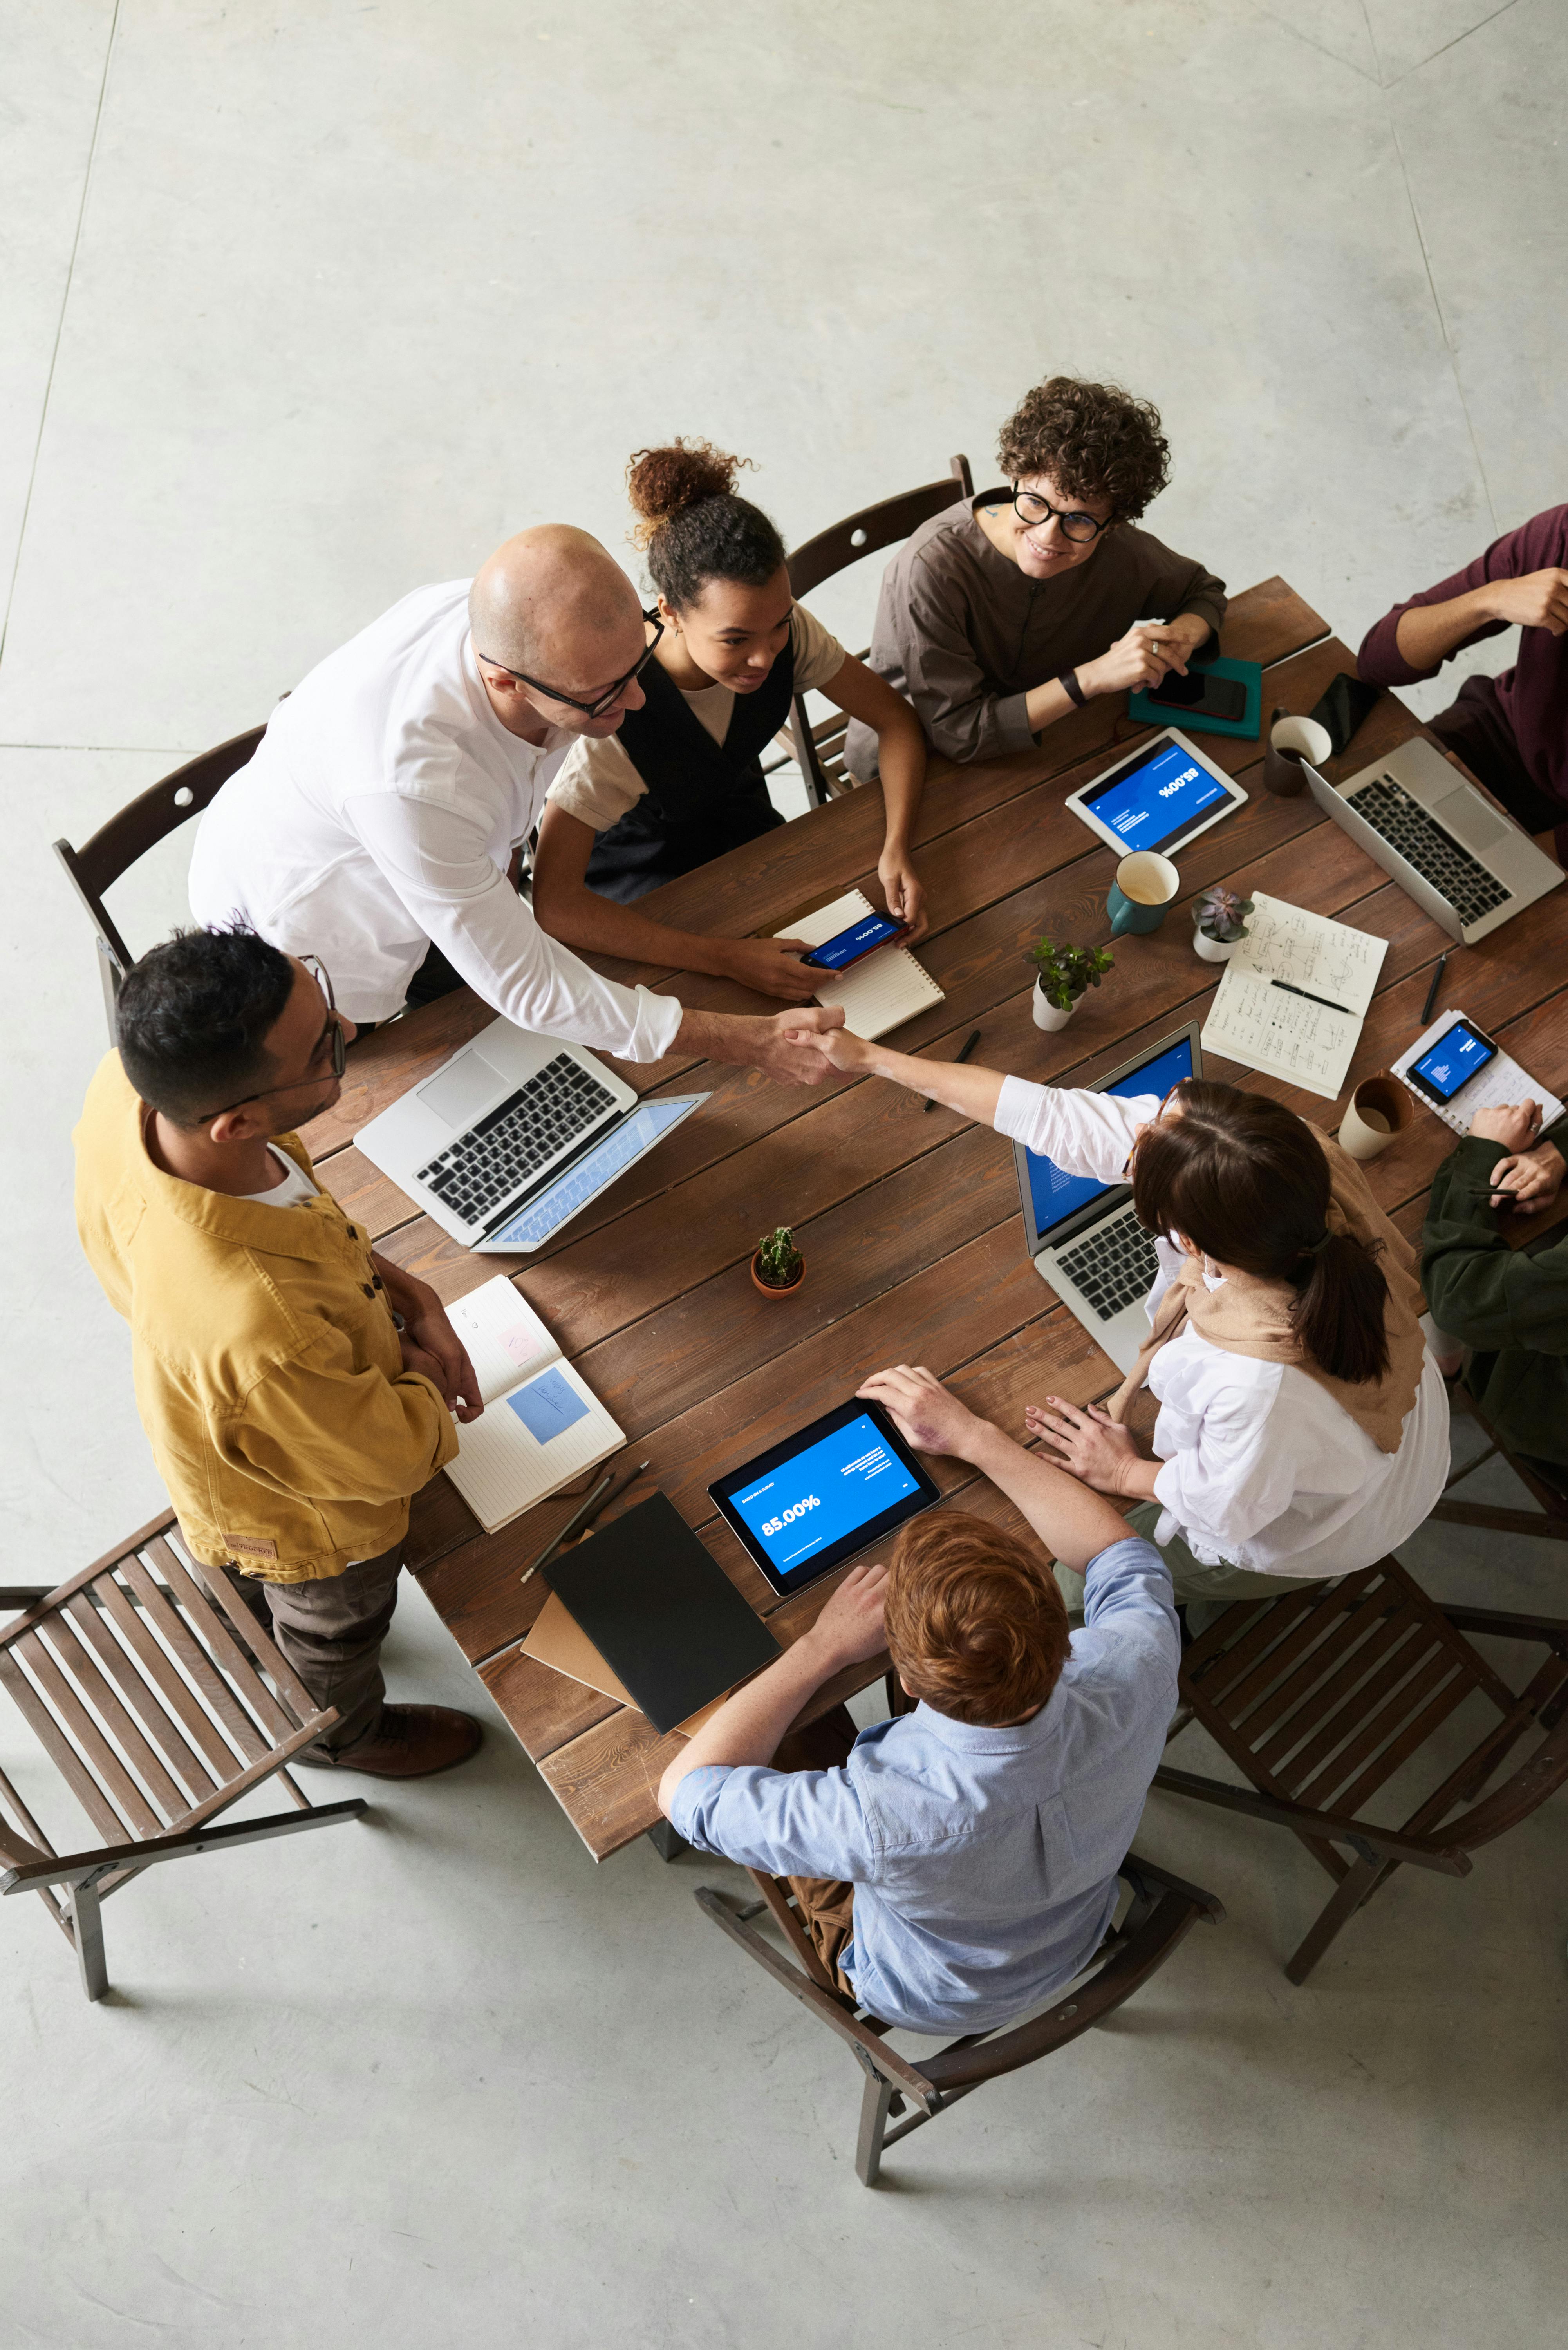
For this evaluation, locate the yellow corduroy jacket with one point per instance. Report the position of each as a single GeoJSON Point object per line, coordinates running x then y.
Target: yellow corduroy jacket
{"type": "Point", "coordinates": [268, 1372]}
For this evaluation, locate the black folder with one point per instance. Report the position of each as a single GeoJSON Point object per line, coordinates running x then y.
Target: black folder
{"type": "Point", "coordinates": [662, 1612]}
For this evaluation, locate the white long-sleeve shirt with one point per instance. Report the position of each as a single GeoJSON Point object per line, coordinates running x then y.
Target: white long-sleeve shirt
{"type": "Point", "coordinates": [1262, 1468]}
{"type": "Point", "coordinates": [379, 816]}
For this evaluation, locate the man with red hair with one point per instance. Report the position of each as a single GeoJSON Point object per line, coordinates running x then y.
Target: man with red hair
{"type": "Point", "coordinates": [960, 1864]}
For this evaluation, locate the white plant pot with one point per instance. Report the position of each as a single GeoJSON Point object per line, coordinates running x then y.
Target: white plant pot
{"type": "Point", "coordinates": [1210, 950]}
{"type": "Point", "coordinates": [1048, 1015]}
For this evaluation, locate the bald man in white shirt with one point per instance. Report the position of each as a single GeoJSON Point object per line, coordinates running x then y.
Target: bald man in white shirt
{"type": "Point", "coordinates": [386, 803]}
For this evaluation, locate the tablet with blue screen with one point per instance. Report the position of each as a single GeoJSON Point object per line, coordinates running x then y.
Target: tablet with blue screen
{"type": "Point", "coordinates": [811, 1503]}
{"type": "Point", "coordinates": [1159, 796]}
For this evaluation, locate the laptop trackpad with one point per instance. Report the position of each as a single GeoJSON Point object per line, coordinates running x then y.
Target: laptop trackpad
{"type": "Point", "coordinates": [464, 1091]}
{"type": "Point", "coordinates": [1469, 818]}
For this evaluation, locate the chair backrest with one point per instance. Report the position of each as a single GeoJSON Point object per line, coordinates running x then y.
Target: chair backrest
{"type": "Point", "coordinates": [154, 1692]}
{"type": "Point", "coordinates": [148, 818]}
{"type": "Point", "coordinates": [820, 751]}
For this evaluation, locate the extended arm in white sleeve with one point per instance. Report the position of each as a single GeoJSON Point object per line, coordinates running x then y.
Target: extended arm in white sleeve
{"type": "Point", "coordinates": [438, 861]}
{"type": "Point", "coordinates": [1083, 1133]}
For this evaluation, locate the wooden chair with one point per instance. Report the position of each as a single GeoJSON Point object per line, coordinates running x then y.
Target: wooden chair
{"type": "Point", "coordinates": [1549, 1524]}
{"type": "Point", "coordinates": [160, 1701]}
{"type": "Point", "coordinates": [1163, 1907]}
{"type": "Point", "coordinates": [116, 845]}
{"type": "Point", "coordinates": [1320, 1697]}
{"type": "Point", "coordinates": [820, 749]}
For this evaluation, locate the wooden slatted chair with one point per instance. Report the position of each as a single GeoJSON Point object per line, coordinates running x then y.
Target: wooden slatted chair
{"type": "Point", "coordinates": [1162, 1910]}
{"type": "Point", "coordinates": [116, 845]}
{"type": "Point", "coordinates": [1548, 1524]}
{"type": "Point", "coordinates": [820, 749]}
{"type": "Point", "coordinates": [1321, 1697]}
{"type": "Point", "coordinates": [160, 1701]}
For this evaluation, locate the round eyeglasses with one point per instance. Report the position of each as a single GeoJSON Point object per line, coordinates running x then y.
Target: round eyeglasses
{"type": "Point", "coordinates": [1032, 508]}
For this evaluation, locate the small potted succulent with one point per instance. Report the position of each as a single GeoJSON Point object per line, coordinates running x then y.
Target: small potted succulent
{"type": "Point", "coordinates": [1219, 924]}
{"type": "Point", "coordinates": [1062, 976]}
{"type": "Point", "coordinates": [778, 1266]}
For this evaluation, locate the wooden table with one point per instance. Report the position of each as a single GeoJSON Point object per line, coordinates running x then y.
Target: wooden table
{"type": "Point", "coordinates": [910, 1224]}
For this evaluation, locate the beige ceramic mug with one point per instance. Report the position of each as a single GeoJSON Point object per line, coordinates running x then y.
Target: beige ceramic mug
{"type": "Point", "coordinates": [1378, 1113]}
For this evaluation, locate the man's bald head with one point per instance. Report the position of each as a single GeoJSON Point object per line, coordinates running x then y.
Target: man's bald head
{"type": "Point", "coordinates": [555, 604]}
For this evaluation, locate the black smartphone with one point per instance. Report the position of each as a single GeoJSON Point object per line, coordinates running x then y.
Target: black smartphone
{"type": "Point", "coordinates": [1205, 695]}
{"type": "Point", "coordinates": [1461, 1053]}
{"type": "Point", "coordinates": [848, 946]}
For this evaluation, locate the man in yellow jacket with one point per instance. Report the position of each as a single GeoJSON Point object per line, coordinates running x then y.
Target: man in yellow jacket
{"type": "Point", "coordinates": [295, 1388]}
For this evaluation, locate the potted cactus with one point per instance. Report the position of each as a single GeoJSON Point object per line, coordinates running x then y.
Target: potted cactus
{"type": "Point", "coordinates": [778, 1266]}
{"type": "Point", "coordinates": [1219, 924]}
{"type": "Point", "coordinates": [1062, 976]}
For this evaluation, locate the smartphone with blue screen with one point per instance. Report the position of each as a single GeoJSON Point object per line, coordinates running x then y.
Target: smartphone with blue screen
{"type": "Point", "coordinates": [1461, 1053]}
{"type": "Point", "coordinates": [860, 939]}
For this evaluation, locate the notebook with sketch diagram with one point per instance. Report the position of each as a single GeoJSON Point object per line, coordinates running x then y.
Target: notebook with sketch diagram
{"type": "Point", "coordinates": [1292, 997]}
{"type": "Point", "coordinates": [879, 994]}
{"type": "Point", "coordinates": [543, 1425]}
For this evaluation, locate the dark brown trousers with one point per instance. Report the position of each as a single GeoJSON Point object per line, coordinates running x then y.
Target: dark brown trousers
{"type": "Point", "coordinates": [331, 1632]}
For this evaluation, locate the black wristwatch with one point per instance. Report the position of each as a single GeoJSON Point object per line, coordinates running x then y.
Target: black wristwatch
{"type": "Point", "coordinates": [1068, 681]}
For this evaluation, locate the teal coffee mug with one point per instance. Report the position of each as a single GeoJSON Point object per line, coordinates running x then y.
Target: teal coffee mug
{"type": "Point", "coordinates": [1141, 892]}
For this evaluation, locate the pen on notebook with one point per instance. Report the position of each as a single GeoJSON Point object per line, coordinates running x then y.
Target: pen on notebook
{"type": "Point", "coordinates": [964, 1050]}
{"type": "Point", "coordinates": [1327, 1004]}
{"type": "Point", "coordinates": [603, 1494]}
{"type": "Point", "coordinates": [1432, 990]}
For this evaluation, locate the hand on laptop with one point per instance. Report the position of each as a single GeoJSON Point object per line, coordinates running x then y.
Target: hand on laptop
{"type": "Point", "coordinates": [1094, 1446]}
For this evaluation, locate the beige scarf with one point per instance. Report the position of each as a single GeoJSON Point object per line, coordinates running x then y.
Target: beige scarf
{"type": "Point", "coordinates": [1248, 1316]}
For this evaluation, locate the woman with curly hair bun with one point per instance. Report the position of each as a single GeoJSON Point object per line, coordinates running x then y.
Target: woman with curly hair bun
{"type": "Point", "coordinates": [680, 781]}
{"type": "Point", "coordinates": [1002, 614]}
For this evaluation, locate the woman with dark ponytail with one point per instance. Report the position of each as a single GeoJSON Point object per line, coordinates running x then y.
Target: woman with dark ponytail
{"type": "Point", "coordinates": [681, 781]}
{"type": "Point", "coordinates": [1304, 1427]}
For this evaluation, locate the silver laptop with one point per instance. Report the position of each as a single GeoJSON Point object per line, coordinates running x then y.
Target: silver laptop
{"type": "Point", "coordinates": [1083, 1235]}
{"type": "Point", "coordinates": [1463, 862]}
{"type": "Point", "coordinates": [514, 1136]}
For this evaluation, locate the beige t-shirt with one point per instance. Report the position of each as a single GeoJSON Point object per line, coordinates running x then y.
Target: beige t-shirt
{"type": "Point", "coordinates": [598, 783]}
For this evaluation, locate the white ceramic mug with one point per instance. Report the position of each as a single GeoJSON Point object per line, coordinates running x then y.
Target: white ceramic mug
{"type": "Point", "coordinates": [1376, 1114]}
{"type": "Point", "coordinates": [1292, 740]}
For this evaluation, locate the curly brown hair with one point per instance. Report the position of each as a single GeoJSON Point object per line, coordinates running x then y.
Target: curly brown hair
{"type": "Point", "coordinates": [693, 527]}
{"type": "Point", "coordinates": [1092, 440]}
{"type": "Point", "coordinates": [974, 1621]}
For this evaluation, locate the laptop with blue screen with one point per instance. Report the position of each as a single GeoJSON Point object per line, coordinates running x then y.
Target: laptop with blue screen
{"type": "Point", "coordinates": [1083, 1235]}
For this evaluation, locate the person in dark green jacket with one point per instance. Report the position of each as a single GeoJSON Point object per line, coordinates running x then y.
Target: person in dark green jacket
{"type": "Point", "coordinates": [1509, 1308]}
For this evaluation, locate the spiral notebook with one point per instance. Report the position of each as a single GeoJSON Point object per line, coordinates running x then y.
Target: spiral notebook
{"type": "Point", "coordinates": [1292, 999]}
{"type": "Point", "coordinates": [879, 994]}
{"type": "Point", "coordinates": [539, 1431]}
{"type": "Point", "coordinates": [1501, 1083]}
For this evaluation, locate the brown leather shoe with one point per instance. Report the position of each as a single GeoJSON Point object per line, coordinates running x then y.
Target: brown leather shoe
{"type": "Point", "coordinates": [409, 1742]}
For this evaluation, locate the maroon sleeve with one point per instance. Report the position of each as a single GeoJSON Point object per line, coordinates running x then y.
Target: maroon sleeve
{"type": "Point", "coordinates": [1538, 545]}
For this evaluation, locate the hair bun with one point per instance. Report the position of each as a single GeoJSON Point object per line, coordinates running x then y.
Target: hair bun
{"type": "Point", "coordinates": [661, 482]}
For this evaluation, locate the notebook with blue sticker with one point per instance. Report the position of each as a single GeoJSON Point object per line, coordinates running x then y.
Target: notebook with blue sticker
{"type": "Point", "coordinates": [542, 1424]}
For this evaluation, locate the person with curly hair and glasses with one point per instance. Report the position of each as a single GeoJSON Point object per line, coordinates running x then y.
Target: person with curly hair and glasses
{"type": "Point", "coordinates": [1004, 612]}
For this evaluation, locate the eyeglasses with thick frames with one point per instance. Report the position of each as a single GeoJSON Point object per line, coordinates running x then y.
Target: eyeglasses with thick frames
{"type": "Point", "coordinates": [1032, 508]}
{"type": "Point", "coordinates": [605, 701]}
{"type": "Point", "coordinates": [334, 1028]}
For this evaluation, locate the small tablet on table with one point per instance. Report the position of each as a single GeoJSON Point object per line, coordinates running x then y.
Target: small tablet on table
{"type": "Point", "coordinates": [813, 1501]}
{"type": "Point", "coordinates": [1159, 796]}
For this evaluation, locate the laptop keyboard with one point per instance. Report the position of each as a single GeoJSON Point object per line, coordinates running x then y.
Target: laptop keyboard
{"type": "Point", "coordinates": [1470, 890]}
{"type": "Point", "coordinates": [482, 1170]}
{"type": "Point", "coordinates": [1115, 1266]}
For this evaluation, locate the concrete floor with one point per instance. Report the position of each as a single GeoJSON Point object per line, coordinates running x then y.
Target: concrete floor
{"type": "Point", "coordinates": [309, 304]}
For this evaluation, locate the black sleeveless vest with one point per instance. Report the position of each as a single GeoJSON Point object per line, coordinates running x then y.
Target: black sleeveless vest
{"type": "Point", "coordinates": [702, 797]}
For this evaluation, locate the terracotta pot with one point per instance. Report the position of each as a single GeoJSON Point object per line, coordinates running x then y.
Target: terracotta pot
{"type": "Point", "coordinates": [772, 1289]}
{"type": "Point", "coordinates": [1048, 1014]}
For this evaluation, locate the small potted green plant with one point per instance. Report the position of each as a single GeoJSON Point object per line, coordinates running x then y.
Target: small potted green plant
{"type": "Point", "coordinates": [1219, 924]}
{"type": "Point", "coordinates": [778, 1266]}
{"type": "Point", "coordinates": [1062, 976]}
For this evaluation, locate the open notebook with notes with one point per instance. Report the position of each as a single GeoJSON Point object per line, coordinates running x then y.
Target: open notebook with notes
{"type": "Point", "coordinates": [543, 1425]}
{"type": "Point", "coordinates": [877, 994]}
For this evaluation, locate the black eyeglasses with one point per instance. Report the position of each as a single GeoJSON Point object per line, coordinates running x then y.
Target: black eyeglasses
{"type": "Point", "coordinates": [334, 1028]}
{"type": "Point", "coordinates": [605, 701]}
{"type": "Point", "coordinates": [1032, 508]}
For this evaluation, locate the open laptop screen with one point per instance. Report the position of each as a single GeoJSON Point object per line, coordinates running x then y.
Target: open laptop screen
{"type": "Point", "coordinates": [1054, 1195]}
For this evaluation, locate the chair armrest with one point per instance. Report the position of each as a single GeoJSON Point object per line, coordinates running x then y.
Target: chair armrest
{"type": "Point", "coordinates": [24, 1595]}
{"type": "Point", "coordinates": [1502, 1624]}
{"type": "Point", "coordinates": [1422, 1852]}
{"type": "Point", "coordinates": [1209, 1904]}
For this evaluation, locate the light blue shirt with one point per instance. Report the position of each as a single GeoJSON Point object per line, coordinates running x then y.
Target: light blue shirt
{"type": "Point", "coordinates": [983, 1861]}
